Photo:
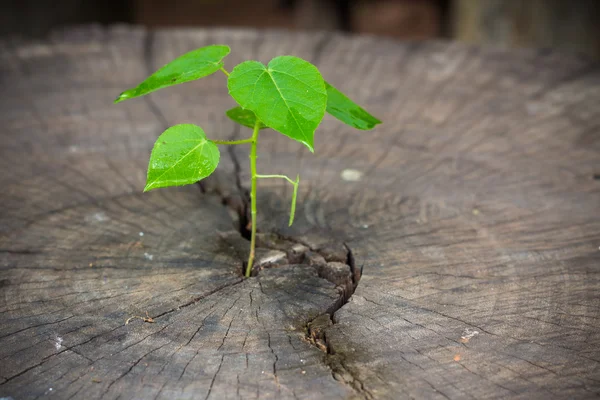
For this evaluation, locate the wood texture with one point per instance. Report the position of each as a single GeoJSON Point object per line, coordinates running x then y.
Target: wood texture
{"type": "Point", "coordinates": [472, 213]}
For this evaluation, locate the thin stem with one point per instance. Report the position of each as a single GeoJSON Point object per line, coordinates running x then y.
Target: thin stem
{"type": "Point", "coordinates": [277, 176]}
{"type": "Point", "coordinates": [224, 71]}
{"type": "Point", "coordinates": [243, 141]}
{"type": "Point", "coordinates": [294, 195]}
{"type": "Point", "coordinates": [253, 196]}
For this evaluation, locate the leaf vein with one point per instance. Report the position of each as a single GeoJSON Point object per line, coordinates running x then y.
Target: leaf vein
{"type": "Point", "coordinates": [288, 107]}
{"type": "Point", "coordinates": [171, 170]}
{"type": "Point", "coordinates": [300, 80]}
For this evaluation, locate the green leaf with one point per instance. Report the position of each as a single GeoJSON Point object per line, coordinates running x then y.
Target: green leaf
{"type": "Point", "coordinates": [348, 111]}
{"type": "Point", "coordinates": [244, 117]}
{"type": "Point", "coordinates": [181, 155]}
{"type": "Point", "coordinates": [289, 95]}
{"type": "Point", "coordinates": [188, 67]}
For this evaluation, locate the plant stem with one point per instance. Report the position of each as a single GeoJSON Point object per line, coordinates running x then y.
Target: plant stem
{"type": "Point", "coordinates": [243, 141]}
{"type": "Point", "coordinates": [253, 197]}
{"type": "Point", "coordinates": [277, 176]}
{"type": "Point", "coordinates": [224, 71]}
{"type": "Point", "coordinates": [294, 195]}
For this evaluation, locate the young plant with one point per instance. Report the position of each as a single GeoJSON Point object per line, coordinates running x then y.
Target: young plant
{"type": "Point", "coordinates": [288, 95]}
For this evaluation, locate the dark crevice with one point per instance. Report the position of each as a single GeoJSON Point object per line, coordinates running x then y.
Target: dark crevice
{"type": "Point", "coordinates": [20, 251]}
{"type": "Point", "coordinates": [597, 177]}
{"type": "Point", "coordinates": [351, 262]}
{"type": "Point", "coordinates": [243, 219]}
{"type": "Point", "coordinates": [316, 329]}
{"type": "Point", "coordinates": [238, 203]}
{"type": "Point", "coordinates": [341, 372]}
{"type": "Point", "coordinates": [333, 261]}
{"type": "Point", "coordinates": [330, 264]}
{"type": "Point", "coordinates": [328, 260]}
{"type": "Point", "coordinates": [8, 379]}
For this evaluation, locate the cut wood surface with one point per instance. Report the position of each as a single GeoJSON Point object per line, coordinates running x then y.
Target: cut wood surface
{"type": "Point", "coordinates": [473, 214]}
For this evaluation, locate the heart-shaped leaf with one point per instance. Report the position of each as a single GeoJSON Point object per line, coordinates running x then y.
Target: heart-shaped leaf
{"type": "Point", "coordinates": [188, 67]}
{"type": "Point", "coordinates": [347, 111]}
{"type": "Point", "coordinates": [181, 155]}
{"type": "Point", "coordinates": [244, 117]}
{"type": "Point", "coordinates": [289, 95]}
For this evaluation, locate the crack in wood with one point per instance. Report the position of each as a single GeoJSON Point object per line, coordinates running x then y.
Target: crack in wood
{"type": "Point", "coordinates": [198, 298]}
{"type": "Point", "coordinates": [333, 262]}
{"type": "Point", "coordinates": [523, 266]}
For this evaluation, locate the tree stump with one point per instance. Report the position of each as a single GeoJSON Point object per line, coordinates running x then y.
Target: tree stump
{"type": "Point", "coordinates": [450, 253]}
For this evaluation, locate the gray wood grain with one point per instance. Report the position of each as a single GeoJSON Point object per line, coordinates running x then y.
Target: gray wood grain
{"type": "Point", "coordinates": [472, 213]}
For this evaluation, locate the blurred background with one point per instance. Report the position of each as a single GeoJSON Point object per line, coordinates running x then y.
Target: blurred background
{"type": "Point", "coordinates": [569, 25]}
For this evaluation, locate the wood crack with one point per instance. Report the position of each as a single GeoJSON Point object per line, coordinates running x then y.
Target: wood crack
{"type": "Point", "coordinates": [333, 262]}
{"type": "Point", "coordinates": [212, 382]}
{"type": "Point", "coordinates": [198, 298]}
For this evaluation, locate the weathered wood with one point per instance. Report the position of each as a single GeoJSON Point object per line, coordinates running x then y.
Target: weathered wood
{"type": "Point", "coordinates": [472, 213]}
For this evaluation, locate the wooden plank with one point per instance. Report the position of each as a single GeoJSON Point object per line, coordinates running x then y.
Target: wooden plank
{"type": "Point", "coordinates": [472, 213]}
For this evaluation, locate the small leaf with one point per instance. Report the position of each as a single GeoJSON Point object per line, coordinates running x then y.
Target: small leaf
{"type": "Point", "coordinates": [244, 117]}
{"type": "Point", "coordinates": [181, 155]}
{"type": "Point", "coordinates": [188, 67]}
{"type": "Point", "coordinates": [289, 95]}
{"type": "Point", "coordinates": [348, 111]}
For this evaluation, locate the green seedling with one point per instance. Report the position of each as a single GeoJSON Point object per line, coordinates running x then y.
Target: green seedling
{"type": "Point", "coordinates": [288, 95]}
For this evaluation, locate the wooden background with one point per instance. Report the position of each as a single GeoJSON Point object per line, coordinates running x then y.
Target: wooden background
{"type": "Point", "coordinates": [466, 227]}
